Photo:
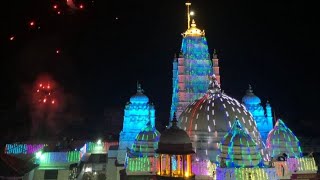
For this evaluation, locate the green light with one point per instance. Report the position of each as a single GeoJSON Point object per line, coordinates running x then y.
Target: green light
{"type": "Point", "coordinates": [38, 154]}
{"type": "Point", "coordinates": [99, 142]}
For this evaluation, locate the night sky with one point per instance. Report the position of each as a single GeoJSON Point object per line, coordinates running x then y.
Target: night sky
{"type": "Point", "coordinates": [107, 46]}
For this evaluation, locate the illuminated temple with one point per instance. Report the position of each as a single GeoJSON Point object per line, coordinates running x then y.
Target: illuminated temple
{"type": "Point", "coordinates": [263, 118]}
{"type": "Point", "coordinates": [210, 135]}
{"type": "Point", "coordinates": [138, 112]}
{"type": "Point", "coordinates": [141, 157]}
{"type": "Point", "coordinates": [191, 68]}
{"type": "Point", "coordinates": [240, 158]}
{"type": "Point", "coordinates": [208, 119]}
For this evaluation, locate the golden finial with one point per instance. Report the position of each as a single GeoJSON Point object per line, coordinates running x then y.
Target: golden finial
{"type": "Point", "coordinates": [193, 24]}
{"type": "Point", "coordinates": [193, 30]}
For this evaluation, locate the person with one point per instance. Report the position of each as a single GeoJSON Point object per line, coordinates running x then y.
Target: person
{"type": "Point", "coordinates": [281, 158]}
{"type": "Point", "coordinates": [282, 168]}
{"type": "Point", "coordinates": [271, 162]}
{"type": "Point", "coordinates": [285, 156]}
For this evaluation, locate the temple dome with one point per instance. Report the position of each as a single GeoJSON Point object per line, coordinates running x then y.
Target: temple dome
{"type": "Point", "coordinates": [250, 98]}
{"type": "Point", "coordinates": [139, 97]}
{"type": "Point", "coordinates": [146, 142]}
{"type": "Point", "coordinates": [209, 118]}
{"type": "Point", "coordinates": [148, 134]}
{"type": "Point", "coordinates": [193, 30]}
{"type": "Point", "coordinates": [281, 140]}
{"type": "Point", "coordinates": [174, 136]}
{"type": "Point", "coordinates": [174, 140]}
{"type": "Point", "coordinates": [216, 111]}
{"type": "Point", "coordinates": [238, 149]}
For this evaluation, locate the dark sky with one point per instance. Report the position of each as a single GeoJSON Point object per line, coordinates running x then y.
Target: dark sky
{"type": "Point", "coordinates": [271, 45]}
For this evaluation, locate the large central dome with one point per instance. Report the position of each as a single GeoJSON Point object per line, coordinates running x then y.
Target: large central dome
{"type": "Point", "coordinates": [209, 118]}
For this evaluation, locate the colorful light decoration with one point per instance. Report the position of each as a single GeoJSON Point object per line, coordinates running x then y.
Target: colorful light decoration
{"type": "Point", "coordinates": [302, 164]}
{"type": "Point", "coordinates": [142, 165]}
{"type": "Point", "coordinates": [213, 114]}
{"type": "Point", "coordinates": [137, 113]}
{"type": "Point", "coordinates": [190, 72]}
{"type": "Point", "coordinates": [282, 140]}
{"type": "Point", "coordinates": [23, 148]}
{"type": "Point", "coordinates": [38, 154]}
{"type": "Point", "coordinates": [203, 168]}
{"type": "Point", "coordinates": [97, 147]}
{"type": "Point", "coordinates": [263, 119]}
{"type": "Point", "coordinates": [146, 142]}
{"type": "Point", "coordinates": [51, 158]}
{"type": "Point", "coordinates": [295, 165]}
{"type": "Point", "coordinates": [246, 173]}
{"type": "Point", "coordinates": [141, 157]}
{"type": "Point", "coordinates": [182, 165]}
{"type": "Point", "coordinates": [238, 149]}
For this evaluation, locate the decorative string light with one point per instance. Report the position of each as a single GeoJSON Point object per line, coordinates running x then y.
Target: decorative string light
{"type": "Point", "coordinates": [238, 149]}
{"type": "Point", "coordinates": [281, 140]}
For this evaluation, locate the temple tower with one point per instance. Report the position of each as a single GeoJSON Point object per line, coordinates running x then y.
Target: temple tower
{"type": "Point", "coordinates": [137, 113]}
{"type": "Point", "coordinates": [191, 68]}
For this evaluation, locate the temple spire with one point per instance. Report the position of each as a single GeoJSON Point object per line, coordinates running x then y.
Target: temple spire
{"type": "Point", "coordinates": [139, 89]}
{"type": "Point", "coordinates": [214, 86]}
{"type": "Point", "coordinates": [216, 68]}
{"type": "Point", "coordinates": [249, 90]}
{"type": "Point", "coordinates": [174, 121]}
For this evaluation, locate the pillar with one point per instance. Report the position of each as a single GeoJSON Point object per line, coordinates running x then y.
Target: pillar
{"type": "Point", "coordinates": [179, 164]}
{"type": "Point", "coordinates": [170, 165]}
{"type": "Point", "coordinates": [160, 167]}
{"type": "Point", "coordinates": [188, 164]}
{"type": "Point", "coordinates": [183, 166]}
{"type": "Point", "coordinates": [167, 164]}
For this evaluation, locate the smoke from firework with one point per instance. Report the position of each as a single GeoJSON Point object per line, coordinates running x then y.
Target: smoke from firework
{"type": "Point", "coordinates": [46, 105]}
{"type": "Point", "coordinates": [51, 109]}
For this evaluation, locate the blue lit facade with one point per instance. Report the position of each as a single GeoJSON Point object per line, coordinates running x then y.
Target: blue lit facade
{"type": "Point", "coordinates": [190, 70]}
{"type": "Point", "coordinates": [137, 113]}
{"type": "Point", "coordinates": [263, 118]}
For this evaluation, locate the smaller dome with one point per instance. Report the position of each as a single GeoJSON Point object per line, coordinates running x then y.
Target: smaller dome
{"type": "Point", "coordinates": [175, 136]}
{"type": "Point", "coordinates": [145, 143]}
{"type": "Point", "coordinates": [175, 140]}
{"type": "Point", "coordinates": [139, 97]}
{"type": "Point", "coordinates": [281, 140]}
{"type": "Point", "coordinates": [250, 98]}
{"type": "Point", "coordinates": [238, 149]}
{"type": "Point", "coordinates": [148, 134]}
